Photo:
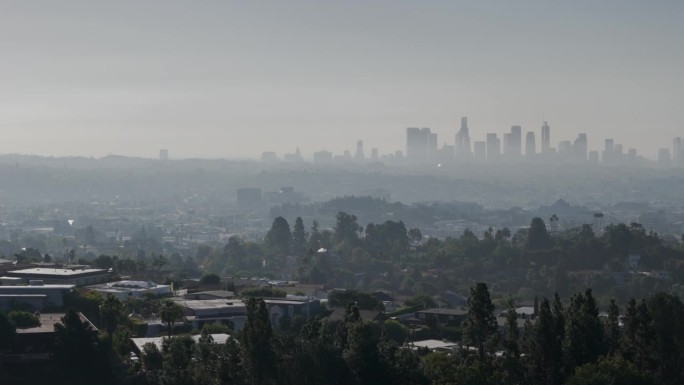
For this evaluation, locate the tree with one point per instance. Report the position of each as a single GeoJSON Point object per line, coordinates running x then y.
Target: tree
{"type": "Point", "coordinates": [77, 342]}
{"type": "Point", "coordinates": [170, 312]}
{"type": "Point", "coordinates": [511, 368]}
{"type": "Point", "coordinates": [346, 230]}
{"type": "Point", "coordinates": [415, 235]}
{"type": "Point", "coordinates": [583, 341]}
{"type": "Point", "coordinates": [210, 279]}
{"type": "Point", "coordinates": [537, 236]}
{"type": "Point", "coordinates": [255, 341]}
{"type": "Point", "coordinates": [159, 261]}
{"type": "Point", "coordinates": [152, 358]}
{"type": "Point", "coordinates": [7, 332]}
{"type": "Point", "coordinates": [608, 371]}
{"type": "Point", "coordinates": [480, 327]}
{"type": "Point", "coordinates": [299, 237]}
{"type": "Point", "coordinates": [543, 348]}
{"type": "Point", "coordinates": [178, 360]}
{"type": "Point", "coordinates": [23, 319]}
{"type": "Point", "coordinates": [612, 328]}
{"type": "Point", "coordinates": [279, 237]}
{"type": "Point", "coordinates": [111, 311]}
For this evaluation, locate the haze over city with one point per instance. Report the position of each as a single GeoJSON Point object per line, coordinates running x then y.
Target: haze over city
{"type": "Point", "coordinates": [230, 80]}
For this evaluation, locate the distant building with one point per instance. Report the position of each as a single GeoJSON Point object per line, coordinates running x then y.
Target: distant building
{"type": "Point", "coordinates": [493, 148]}
{"type": "Point", "coordinates": [269, 157]}
{"type": "Point", "coordinates": [530, 144]}
{"type": "Point", "coordinates": [163, 154]}
{"type": "Point", "coordinates": [677, 151]}
{"type": "Point", "coordinates": [421, 145]}
{"type": "Point", "coordinates": [61, 276]}
{"type": "Point", "coordinates": [580, 147]}
{"type": "Point", "coordinates": [124, 290]}
{"type": "Point", "coordinates": [480, 151]}
{"type": "Point", "coordinates": [249, 197]}
{"type": "Point", "coordinates": [545, 138]}
{"type": "Point", "coordinates": [462, 147]}
{"type": "Point", "coordinates": [323, 157]}
{"type": "Point", "coordinates": [664, 158]}
{"type": "Point", "coordinates": [359, 155]}
{"type": "Point", "coordinates": [35, 297]}
{"type": "Point", "coordinates": [513, 143]}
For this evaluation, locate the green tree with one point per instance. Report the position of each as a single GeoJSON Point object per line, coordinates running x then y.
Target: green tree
{"type": "Point", "coordinates": [612, 328]}
{"type": "Point", "coordinates": [608, 371]}
{"type": "Point", "coordinates": [77, 342]}
{"type": "Point", "coordinates": [178, 360]}
{"type": "Point", "coordinates": [480, 327]}
{"type": "Point", "coordinates": [170, 313]}
{"type": "Point", "coordinates": [510, 366]}
{"type": "Point", "coordinates": [537, 236]}
{"type": "Point", "coordinates": [279, 237]}
{"type": "Point", "coordinates": [111, 311]}
{"type": "Point", "coordinates": [346, 232]}
{"type": "Point", "coordinates": [299, 237]}
{"type": "Point", "coordinates": [543, 349]}
{"type": "Point", "coordinates": [210, 279]}
{"type": "Point", "coordinates": [259, 359]}
{"type": "Point", "coordinates": [23, 319]}
{"type": "Point", "coordinates": [583, 341]}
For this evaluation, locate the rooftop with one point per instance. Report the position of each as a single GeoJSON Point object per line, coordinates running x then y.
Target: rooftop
{"type": "Point", "coordinates": [51, 271]}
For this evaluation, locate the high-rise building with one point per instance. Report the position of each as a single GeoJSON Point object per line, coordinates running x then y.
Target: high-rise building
{"type": "Point", "coordinates": [581, 147]}
{"type": "Point", "coordinates": [374, 154]}
{"type": "Point", "coordinates": [323, 157]}
{"type": "Point", "coordinates": [163, 154]}
{"type": "Point", "coordinates": [480, 151]}
{"type": "Point", "coordinates": [512, 147]}
{"type": "Point", "coordinates": [421, 145]}
{"type": "Point", "coordinates": [359, 151]}
{"type": "Point", "coordinates": [545, 138]}
{"type": "Point", "coordinates": [677, 154]}
{"type": "Point", "coordinates": [664, 157]}
{"type": "Point", "coordinates": [493, 147]}
{"type": "Point", "coordinates": [608, 151]}
{"type": "Point", "coordinates": [463, 140]}
{"type": "Point", "coordinates": [530, 144]}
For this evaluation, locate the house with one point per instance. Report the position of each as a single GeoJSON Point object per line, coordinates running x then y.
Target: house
{"type": "Point", "coordinates": [443, 316]}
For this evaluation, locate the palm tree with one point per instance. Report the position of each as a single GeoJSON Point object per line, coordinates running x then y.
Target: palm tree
{"type": "Point", "coordinates": [170, 313]}
{"type": "Point", "coordinates": [110, 311]}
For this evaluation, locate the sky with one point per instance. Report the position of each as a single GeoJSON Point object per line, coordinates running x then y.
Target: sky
{"type": "Point", "coordinates": [230, 79]}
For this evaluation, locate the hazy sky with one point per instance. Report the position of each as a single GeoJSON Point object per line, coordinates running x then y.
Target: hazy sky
{"type": "Point", "coordinates": [234, 78]}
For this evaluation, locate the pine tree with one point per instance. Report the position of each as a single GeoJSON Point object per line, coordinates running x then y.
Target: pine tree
{"type": "Point", "coordinates": [480, 328]}
{"type": "Point", "coordinates": [299, 237]}
{"type": "Point", "coordinates": [255, 340]}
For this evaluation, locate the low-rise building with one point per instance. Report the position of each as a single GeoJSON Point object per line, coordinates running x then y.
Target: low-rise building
{"type": "Point", "coordinates": [123, 290]}
{"type": "Point", "coordinates": [62, 275]}
{"type": "Point", "coordinates": [36, 297]}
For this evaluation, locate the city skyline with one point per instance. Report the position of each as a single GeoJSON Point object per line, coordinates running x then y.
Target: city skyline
{"type": "Point", "coordinates": [229, 80]}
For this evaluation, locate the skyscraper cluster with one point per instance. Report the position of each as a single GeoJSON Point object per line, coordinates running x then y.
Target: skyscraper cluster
{"type": "Point", "coordinates": [421, 148]}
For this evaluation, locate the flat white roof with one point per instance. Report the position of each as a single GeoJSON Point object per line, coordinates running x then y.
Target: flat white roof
{"type": "Point", "coordinates": [37, 287]}
{"type": "Point", "coordinates": [210, 303]}
{"type": "Point", "coordinates": [46, 271]}
{"type": "Point", "coordinates": [434, 344]}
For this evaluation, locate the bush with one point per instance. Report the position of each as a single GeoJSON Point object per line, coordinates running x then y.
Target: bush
{"type": "Point", "coordinates": [210, 279]}
{"type": "Point", "coordinates": [23, 319]}
{"type": "Point", "coordinates": [265, 292]}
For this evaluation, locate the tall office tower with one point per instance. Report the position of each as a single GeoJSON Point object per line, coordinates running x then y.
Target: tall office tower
{"type": "Point", "coordinates": [677, 155]}
{"type": "Point", "coordinates": [432, 154]}
{"type": "Point", "coordinates": [593, 156]}
{"type": "Point", "coordinates": [463, 140]}
{"type": "Point", "coordinates": [417, 145]}
{"type": "Point", "coordinates": [545, 138]}
{"type": "Point", "coordinates": [374, 154]}
{"type": "Point", "coordinates": [632, 154]}
{"type": "Point", "coordinates": [322, 157]}
{"type": "Point", "coordinates": [445, 154]}
{"type": "Point", "coordinates": [480, 151]}
{"type": "Point", "coordinates": [493, 148]}
{"type": "Point", "coordinates": [163, 154]}
{"type": "Point", "coordinates": [359, 151]}
{"type": "Point", "coordinates": [530, 144]}
{"type": "Point", "coordinates": [565, 149]}
{"type": "Point", "coordinates": [515, 141]}
{"type": "Point", "coordinates": [581, 147]}
{"type": "Point", "coordinates": [506, 150]}
{"type": "Point", "coordinates": [664, 157]}
{"type": "Point", "coordinates": [608, 151]}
